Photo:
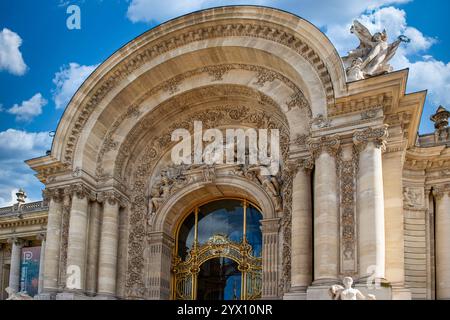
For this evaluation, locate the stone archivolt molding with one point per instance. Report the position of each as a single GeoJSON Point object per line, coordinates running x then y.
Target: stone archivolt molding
{"type": "Point", "coordinates": [263, 76]}
{"type": "Point", "coordinates": [251, 29]}
{"type": "Point", "coordinates": [328, 144]}
{"type": "Point", "coordinates": [211, 117]}
{"type": "Point", "coordinates": [145, 165]}
{"type": "Point", "coordinates": [378, 136]}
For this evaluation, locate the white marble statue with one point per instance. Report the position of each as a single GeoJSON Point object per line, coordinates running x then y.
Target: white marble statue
{"type": "Point", "coordinates": [337, 292]}
{"type": "Point", "coordinates": [372, 56]}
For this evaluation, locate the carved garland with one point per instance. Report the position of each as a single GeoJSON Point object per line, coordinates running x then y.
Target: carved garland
{"type": "Point", "coordinates": [348, 170]}
{"type": "Point", "coordinates": [138, 231]}
{"type": "Point", "coordinates": [254, 29]}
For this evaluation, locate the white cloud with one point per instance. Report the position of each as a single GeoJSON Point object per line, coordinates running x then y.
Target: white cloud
{"type": "Point", "coordinates": [28, 109]}
{"type": "Point", "coordinates": [15, 147]}
{"type": "Point", "coordinates": [320, 13]}
{"type": "Point", "coordinates": [425, 72]}
{"type": "Point", "coordinates": [11, 58]}
{"type": "Point", "coordinates": [68, 80]}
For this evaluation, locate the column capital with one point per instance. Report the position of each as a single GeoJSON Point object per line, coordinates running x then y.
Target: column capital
{"type": "Point", "coordinates": [80, 191]}
{"type": "Point", "coordinates": [112, 197]}
{"type": "Point", "coordinates": [440, 191]}
{"type": "Point", "coordinates": [378, 136]}
{"type": "Point", "coordinates": [41, 237]}
{"type": "Point", "coordinates": [270, 225]}
{"type": "Point", "coordinates": [329, 144]}
{"type": "Point", "coordinates": [17, 241]}
{"type": "Point", "coordinates": [305, 164]}
{"type": "Point", "coordinates": [54, 194]}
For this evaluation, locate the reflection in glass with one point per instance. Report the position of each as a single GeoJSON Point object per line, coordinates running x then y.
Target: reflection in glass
{"type": "Point", "coordinates": [219, 279]}
{"type": "Point", "coordinates": [254, 233]}
{"type": "Point", "coordinates": [221, 218]}
{"type": "Point", "coordinates": [186, 236]}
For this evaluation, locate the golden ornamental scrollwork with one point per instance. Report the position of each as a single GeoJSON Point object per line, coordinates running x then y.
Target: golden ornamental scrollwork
{"type": "Point", "coordinates": [218, 246]}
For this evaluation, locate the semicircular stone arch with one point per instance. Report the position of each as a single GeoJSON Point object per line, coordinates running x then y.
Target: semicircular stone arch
{"type": "Point", "coordinates": [307, 50]}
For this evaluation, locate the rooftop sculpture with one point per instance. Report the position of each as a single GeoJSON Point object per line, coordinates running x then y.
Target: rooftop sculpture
{"type": "Point", "coordinates": [372, 56]}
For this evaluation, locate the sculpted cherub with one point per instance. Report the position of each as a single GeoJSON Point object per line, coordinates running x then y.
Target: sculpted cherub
{"type": "Point", "coordinates": [374, 51]}
{"type": "Point", "coordinates": [338, 292]}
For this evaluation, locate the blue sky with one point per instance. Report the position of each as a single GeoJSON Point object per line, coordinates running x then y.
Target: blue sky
{"type": "Point", "coordinates": [42, 62]}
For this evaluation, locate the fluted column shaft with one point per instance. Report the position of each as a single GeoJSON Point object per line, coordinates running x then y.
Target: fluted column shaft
{"type": "Point", "coordinates": [442, 196]}
{"type": "Point", "coordinates": [109, 240]}
{"type": "Point", "coordinates": [301, 236]}
{"type": "Point", "coordinates": [14, 272]}
{"type": "Point", "coordinates": [52, 247]}
{"type": "Point", "coordinates": [95, 214]}
{"type": "Point", "coordinates": [370, 202]}
{"type": "Point", "coordinates": [326, 210]}
{"type": "Point", "coordinates": [76, 249]}
{"type": "Point", "coordinates": [41, 264]}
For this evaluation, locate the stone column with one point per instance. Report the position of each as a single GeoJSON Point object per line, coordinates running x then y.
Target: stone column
{"type": "Point", "coordinates": [109, 239]}
{"type": "Point", "coordinates": [52, 247]}
{"type": "Point", "coordinates": [95, 216]}
{"type": "Point", "coordinates": [76, 249]}
{"type": "Point", "coordinates": [442, 234]}
{"type": "Point", "coordinates": [41, 237]}
{"type": "Point", "coordinates": [270, 254]}
{"type": "Point", "coordinates": [301, 235]}
{"type": "Point", "coordinates": [370, 202]}
{"type": "Point", "coordinates": [395, 221]}
{"type": "Point", "coordinates": [14, 272]}
{"type": "Point", "coordinates": [159, 259]}
{"type": "Point", "coordinates": [326, 210]}
{"type": "Point", "coordinates": [2, 267]}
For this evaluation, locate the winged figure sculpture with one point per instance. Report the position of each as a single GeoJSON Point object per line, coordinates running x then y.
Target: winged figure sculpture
{"type": "Point", "coordinates": [372, 56]}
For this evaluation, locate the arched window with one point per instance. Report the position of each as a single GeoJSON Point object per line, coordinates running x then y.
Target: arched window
{"type": "Point", "coordinates": [218, 252]}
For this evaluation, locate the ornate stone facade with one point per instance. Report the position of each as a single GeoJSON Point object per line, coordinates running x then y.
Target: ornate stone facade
{"type": "Point", "coordinates": [354, 175]}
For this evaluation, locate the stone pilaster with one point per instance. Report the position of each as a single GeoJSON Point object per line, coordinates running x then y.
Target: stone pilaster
{"type": "Point", "coordinates": [76, 249]}
{"type": "Point", "coordinates": [159, 257]}
{"type": "Point", "coordinates": [326, 210]}
{"type": "Point", "coordinates": [95, 216]}
{"type": "Point", "coordinates": [14, 272]}
{"type": "Point", "coordinates": [42, 238]}
{"type": "Point", "coordinates": [122, 252]}
{"type": "Point", "coordinates": [270, 258]}
{"type": "Point", "coordinates": [370, 201]}
{"type": "Point", "coordinates": [442, 234]}
{"type": "Point", "coordinates": [53, 241]}
{"type": "Point", "coordinates": [109, 239]}
{"type": "Point", "coordinates": [301, 235]}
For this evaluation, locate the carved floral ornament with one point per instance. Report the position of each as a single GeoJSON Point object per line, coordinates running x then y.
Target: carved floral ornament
{"type": "Point", "coordinates": [297, 100]}
{"type": "Point", "coordinates": [377, 136]}
{"type": "Point", "coordinates": [329, 144]}
{"type": "Point", "coordinates": [154, 49]}
{"type": "Point", "coordinates": [212, 117]}
{"type": "Point", "coordinates": [81, 191]}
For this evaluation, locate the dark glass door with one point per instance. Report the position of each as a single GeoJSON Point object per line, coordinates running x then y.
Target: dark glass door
{"type": "Point", "coordinates": [219, 279]}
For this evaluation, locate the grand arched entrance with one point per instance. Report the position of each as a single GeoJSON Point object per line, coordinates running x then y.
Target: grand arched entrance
{"type": "Point", "coordinates": [218, 252]}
